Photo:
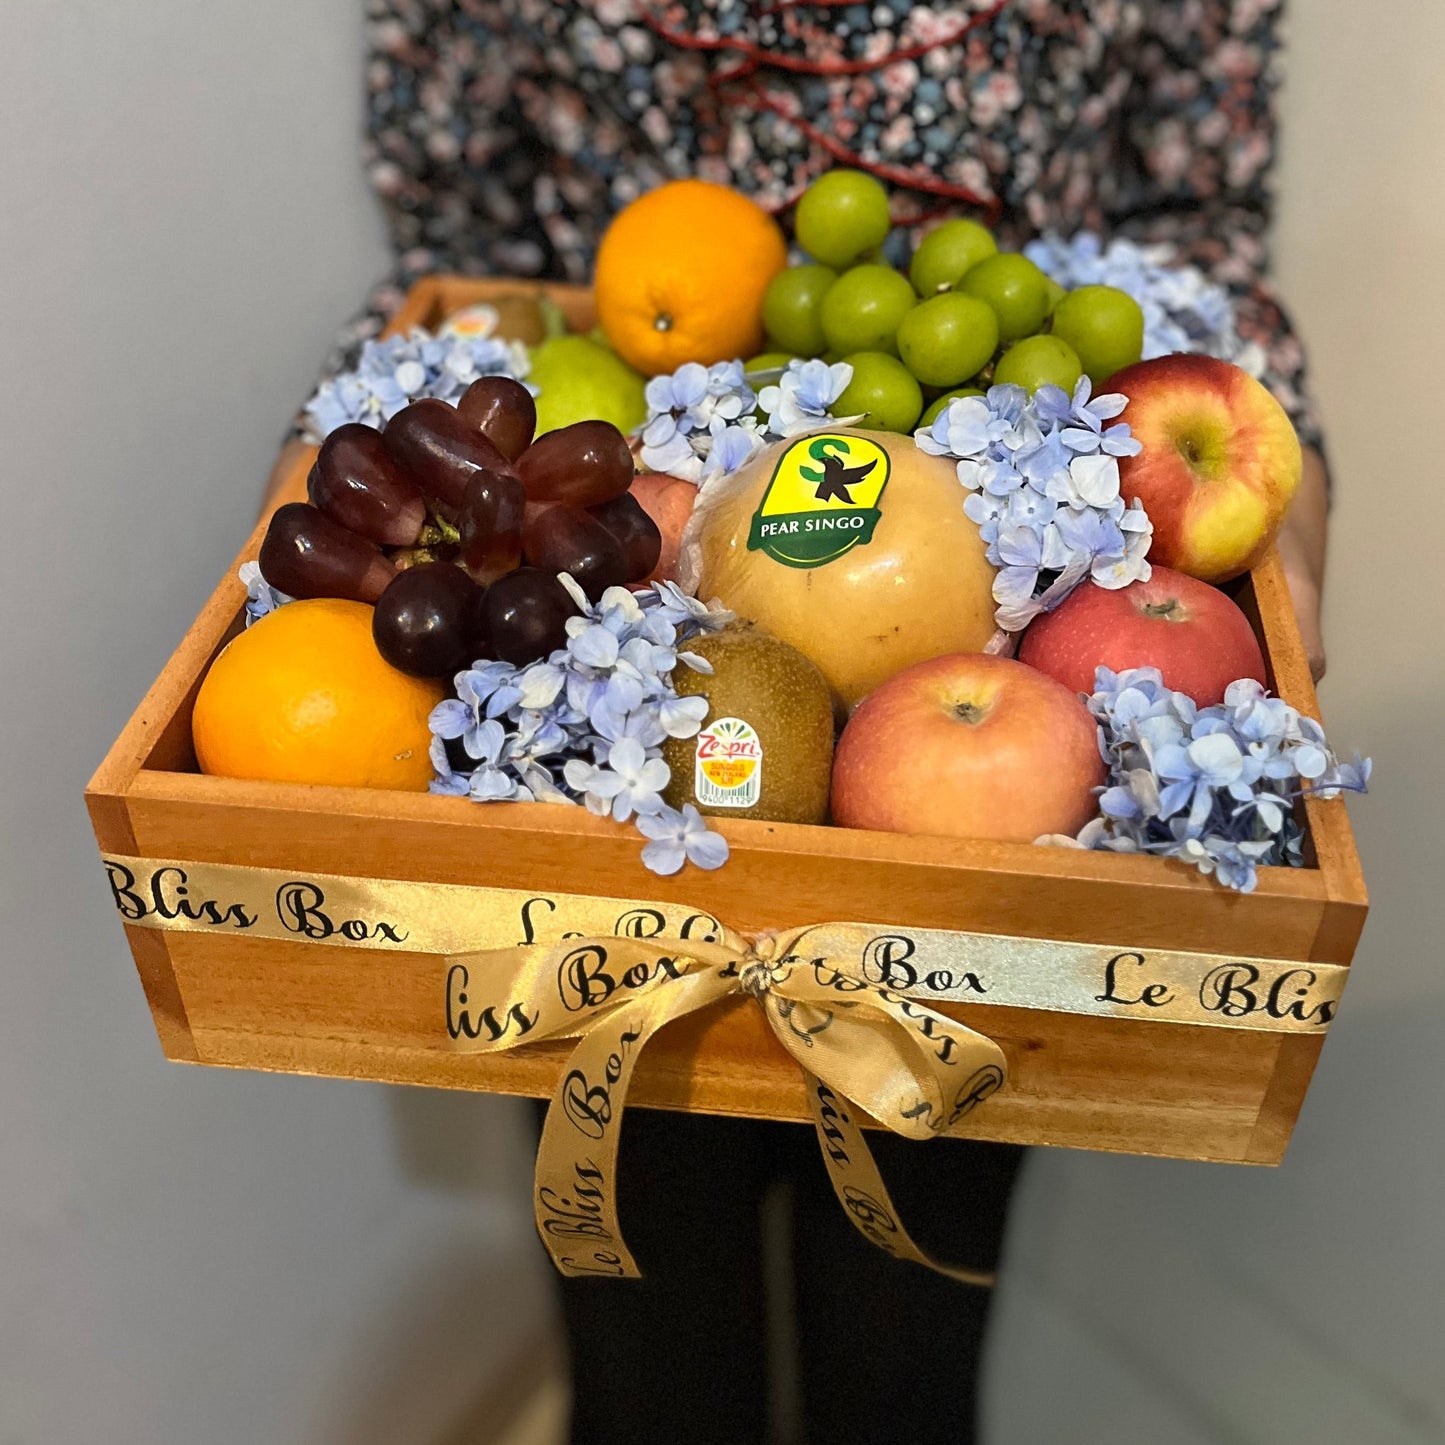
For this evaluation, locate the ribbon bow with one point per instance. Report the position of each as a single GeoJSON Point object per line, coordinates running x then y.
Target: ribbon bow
{"type": "Point", "coordinates": [913, 1070]}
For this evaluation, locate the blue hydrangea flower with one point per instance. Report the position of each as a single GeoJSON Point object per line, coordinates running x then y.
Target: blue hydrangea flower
{"type": "Point", "coordinates": [971, 427]}
{"type": "Point", "coordinates": [667, 448]}
{"type": "Point", "coordinates": [803, 397]}
{"type": "Point", "coordinates": [700, 421]}
{"type": "Point", "coordinates": [678, 838]}
{"type": "Point", "coordinates": [391, 374]}
{"type": "Point", "coordinates": [629, 783]}
{"type": "Point", "coordinates": [261, 596]}
{"type": "Point", "coordinates": [731, 446]}
{"type": "Point", "coordinates": [459, 719]}
{"type": "Point", "coordinates": [681, 717]}
{"type": "Point", "coordinates": [1214, 786]}
{"type": "Point", "coordinates": [447, 782]}
{"type": "Point", "coordinates": [586, 724]}
{"type": "Point", "coordinates": [1183, 310]}
{"type": "Point", "coordinates": [1042, 474]}
{"type": "Point", "coordinates": [491, 784]}
{"type": "Point", "coordinates": [706, 421]}
{"type": "Point", "coordinates": [679, 394]}
{"type": "Point", "coordinates": [685, 611]}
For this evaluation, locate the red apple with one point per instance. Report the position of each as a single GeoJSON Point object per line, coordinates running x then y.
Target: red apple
{"type": "Point", "coordinates": [1195, 635]}
{"type": "Point", "coordinates": [669, 502]}
{"type": "Point", "coordinates": [968, 746]}
{"type": "Point", "coordinates": [1219, 464]}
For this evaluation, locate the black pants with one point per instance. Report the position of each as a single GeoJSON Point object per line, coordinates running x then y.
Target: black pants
{"type": "Point", "coordinates": [887, 1352]}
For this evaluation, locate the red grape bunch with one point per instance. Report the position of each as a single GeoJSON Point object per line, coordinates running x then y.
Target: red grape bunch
{"type": "Point", "coordinates": [454, 523]}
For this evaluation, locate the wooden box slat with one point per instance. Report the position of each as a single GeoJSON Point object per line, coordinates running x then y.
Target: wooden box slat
{"type": "Point", "coordinates": [1138, 1087]}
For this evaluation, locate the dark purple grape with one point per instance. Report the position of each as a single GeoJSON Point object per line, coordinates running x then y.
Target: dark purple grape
{"type": "Point", "coordinates": [503, 411]}
{"type": "Point", "coordinates": [490, 523]}
{"type": "Point", "coordinates": [439, 452]}
{"type": "Point", "coordinates": [569, 539]}
{"type": "Point", "coordinates": [523, 616]}
{"type": "Point", "coordinates": [635, 531]}
{"type": "Point", "coordinates": [355, 482]}
{"type": "Point", "coordinates": [582, 464]}
{"type": "Point", "coordinates": [423, 621]}
{"type": "Point", "coordinates": [306, 554]}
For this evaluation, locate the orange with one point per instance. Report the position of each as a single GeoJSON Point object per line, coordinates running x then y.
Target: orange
{"type": "Point", "coordinates": [681, 274]}
{"type": "Point", "coordinates": [303, 696]}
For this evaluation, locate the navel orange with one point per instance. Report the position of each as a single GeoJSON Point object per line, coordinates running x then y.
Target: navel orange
{"type": "Point", "coordinates": [303, 696]}
{"type": "Point", "coordinates": [681, 274]}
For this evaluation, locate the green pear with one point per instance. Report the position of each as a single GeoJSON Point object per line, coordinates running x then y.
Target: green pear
{"type": "Point", "coordinates": [580, 380]}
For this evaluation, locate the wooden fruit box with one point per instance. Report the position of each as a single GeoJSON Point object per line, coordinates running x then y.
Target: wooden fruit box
{"type": "Point", "coordinates": [1136, 1085]}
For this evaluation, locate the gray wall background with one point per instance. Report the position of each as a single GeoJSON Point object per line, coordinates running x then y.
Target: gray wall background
{"type": "Point", "coordinates": [1182, 1303]}
{"type": "Point", "coordinates": [188, 1255]}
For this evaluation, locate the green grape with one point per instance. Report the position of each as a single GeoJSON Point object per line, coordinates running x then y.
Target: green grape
{"type": "Point", "coordinates": [790, 308]}
{"type": "Point", "coordinates": [934, 407]}
{"type": "Point", "coordinates": [947, 338]}
{"type": "Point", "coordinates": [1038, 361]}
{"type": "Point", "coordinates": [840, 216]}
{"type": "Point", "coordinates": [882, 391]}
{"type": "Point", "coordinates": [1056, 292]}
{"type": "Point", "coordinates": [945, 254]}
{"type": "Point", "coordinates": [863, 307]}
{"type": "Point", "coordinates": [1015, 288]}
{"type": "Point", "coordinates": [768, 361]}
{"type": "Point", "coordinates": [1104, 325]}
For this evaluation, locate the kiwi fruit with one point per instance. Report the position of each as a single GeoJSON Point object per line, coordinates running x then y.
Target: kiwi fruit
{"type": "Point", "coordinates": [765, 749]}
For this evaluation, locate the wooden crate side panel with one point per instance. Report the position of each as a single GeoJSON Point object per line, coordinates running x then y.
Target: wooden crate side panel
{"type": "Point", "coordinates": [110, 822]}
{"type": "Point", "coordinates": [110, 819]}
{"type": "Point", "coordinates": [1280, 1110]}
{"type": "Point", "coordinates": [1331, 838]}
{"type": "Point", "coordinates": [153, 962]}
{"type": "Point", "coordinates": [1088, 1083]}
{"type": "Point", "coordinates": [1330, 842]}
{"type": "Point", "coordinates": [777, 876]}
{"type": "Point", "coordinates": [451, 293]}
{"type": "Point", "coordinates": [1077, 1082]}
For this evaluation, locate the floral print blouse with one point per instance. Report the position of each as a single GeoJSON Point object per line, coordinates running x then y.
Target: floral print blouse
{"type": "Point", "coordinates": [503, 134]}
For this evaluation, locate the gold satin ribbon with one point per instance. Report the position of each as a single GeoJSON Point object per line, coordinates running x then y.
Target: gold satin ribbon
{"type": "Point", "coordinates": [911, 1069]}
{"type": "Point", "coordinates": [389, 915]}
{"type": "Point", "coordinates": [844, 999]}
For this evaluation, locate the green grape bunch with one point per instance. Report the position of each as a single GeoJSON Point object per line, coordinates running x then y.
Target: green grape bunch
{"type": "Point", "coordinates": [963, 316]}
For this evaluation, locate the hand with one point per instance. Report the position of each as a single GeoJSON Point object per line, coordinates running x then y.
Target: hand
{"type": "Point", "coordinates": [1302, 553]}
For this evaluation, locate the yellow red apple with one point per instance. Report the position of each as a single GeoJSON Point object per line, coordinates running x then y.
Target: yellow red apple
{"type": "Point", "coordinates": [1196, 636]}
{"type": "Point", "coordinates": [1219, 464]}
{"type": "Point", "coordinates": [668, 501]}
{"type": "Point", "coordinates": [968, 746]}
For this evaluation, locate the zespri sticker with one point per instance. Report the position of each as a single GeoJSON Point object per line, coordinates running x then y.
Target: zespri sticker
{"type": "Point", "coordinates": [822, 501]}
{"type": "Point", "coordinates": [729, 765]}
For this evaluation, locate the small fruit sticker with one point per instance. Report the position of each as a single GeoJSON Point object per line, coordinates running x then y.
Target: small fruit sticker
{"type": "Point", "coordinates": [729, 770]}
{"type": "Point", "coordinates": [822, 501]}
